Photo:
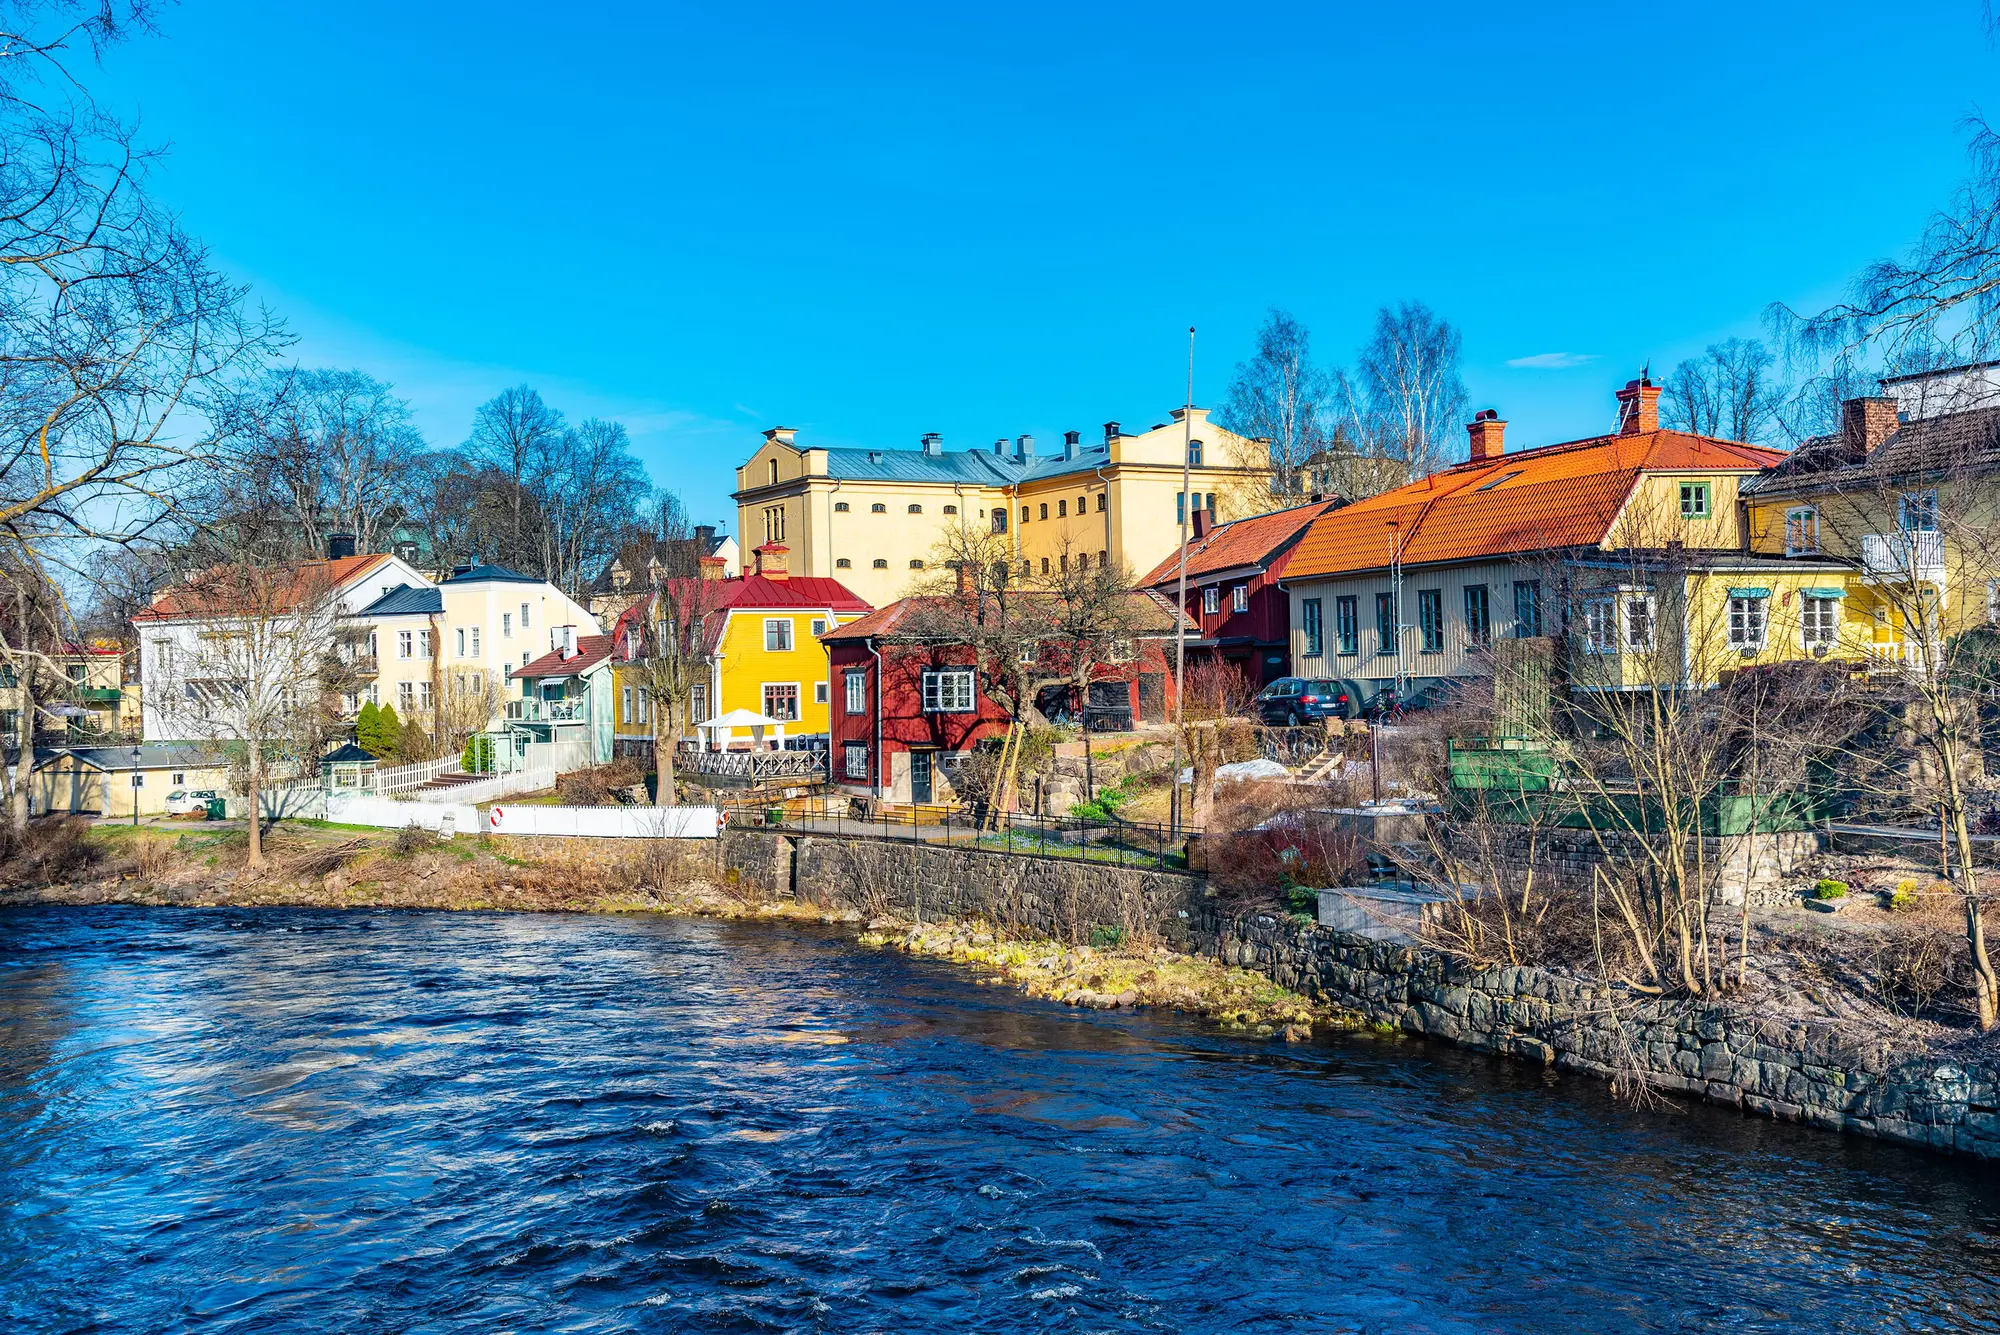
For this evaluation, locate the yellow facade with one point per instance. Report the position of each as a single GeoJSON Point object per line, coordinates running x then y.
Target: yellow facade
{"type": "Point", "coordinates": [750, 672]}
{"type": "Point", "coordinates": [875, 520]}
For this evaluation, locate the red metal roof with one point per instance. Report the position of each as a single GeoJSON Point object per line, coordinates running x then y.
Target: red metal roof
{"type": "Point", "coordinates": [1557, 496]}
{"type": "Point", "coordinates": [590, 651]}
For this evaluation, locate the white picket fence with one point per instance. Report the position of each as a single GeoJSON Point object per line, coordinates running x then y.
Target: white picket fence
{"type": "Point", "coordinates": [388, 814]}
{"type": "Point", "coordinates": [402, 778]}
{"type": "Point", "coordinates": [606, 822]}
{"type": "Point", "coordinates": [487, 790]}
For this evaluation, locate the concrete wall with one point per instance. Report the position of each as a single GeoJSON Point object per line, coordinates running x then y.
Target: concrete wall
{"type": "Point", "coordinates": [1776, 1068]}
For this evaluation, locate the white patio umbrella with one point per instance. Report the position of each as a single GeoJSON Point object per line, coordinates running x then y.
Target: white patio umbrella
{"type": "Point", "coordinates": [727, 724]}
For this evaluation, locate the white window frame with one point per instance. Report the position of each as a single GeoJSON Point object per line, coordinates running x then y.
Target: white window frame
{"type": "Point", "coordinates": [645, 706]}
{"type": "Point", "coordinates": [423, 695]}
{"type": "Point", "coordinates": [506, 625]}
{"type": "Point", "coordinates": [950, 690]}
{"type": "Point", "coordinates": [1749, 625]}
{"type": "Point", "coordinates": [820, 690]}
{"type": "Point", "coordinates": [818, 627]}
{"type": "Point", "coordinates": [461, 641]}
{"type": "Point", "coordinates": [1239, 598]}
{"type": "Point", "coordinates": [1626, 602]}
{"type": "Point", "coordinates": [524, 616]}
{"type": "Point", "coordinates": [423, 644]}
{"type": "Point", "coordinates": [857, 691]}
{"type": "Point", "coordinates": [406, 644]}
{"type": "Point", "coordinates": [782, 627]}
{"type": "Point", "coordinates": [475, 641]}
{"type": "Point", "coordinates": [1600, 624]}
{"type": "Point", "coordinates": [796, 698]}
{"type": "Point", "coordinates": [625, 705]}
{"type": "Point", "coordinates": [1993, 602]}
{"type": "Point", "coordinates": [406, 695]}
{"type": "Point", "coordinates": [854, 760]}
{"type": "Point", "coordinates": [1211, 601]}
{"type": "Point", "coordinates": [1802, 524]}
{"type": "Point", "coordinates": [1821, 626]}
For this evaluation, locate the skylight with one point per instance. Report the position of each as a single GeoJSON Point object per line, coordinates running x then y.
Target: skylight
{"type": "Point", "coordinates": [1488, 486]}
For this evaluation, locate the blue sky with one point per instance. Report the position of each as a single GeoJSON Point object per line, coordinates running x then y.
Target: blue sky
{"type": "Point", "coordinates": [868, 224]}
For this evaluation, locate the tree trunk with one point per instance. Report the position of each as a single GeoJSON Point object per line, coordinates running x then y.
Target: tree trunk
{"type": "Point", "coordinates": [256, 779]}
{"type": "Point", "coordinates": [663, 755]}
{"type": "Point", "coordinates": [24, 755]}
{"type": "Point", "coordinates": [1986, 986]}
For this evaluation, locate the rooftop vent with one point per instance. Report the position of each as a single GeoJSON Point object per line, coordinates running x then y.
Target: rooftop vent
{"type": "Point", "coordinates": [933, 444]}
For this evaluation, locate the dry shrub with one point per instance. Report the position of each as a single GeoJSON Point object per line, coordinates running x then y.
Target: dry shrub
{"type": "Point", "coordinates": [1555, 930]}
{"type": "Point", "coordinates": [1915, 967]}
{"type": "Point", "coordinates": [57, 849]}
{"type": "Point", "coordinates": [1277, 866]}
{"type": "Point", "coordinates": [153, 857]}
{"type": "Point", "coordinates": [593, 787]}
{"type": "Point", "coordinates": [413, 839]}
{"type": "Point", "coordinates": [662, 863]}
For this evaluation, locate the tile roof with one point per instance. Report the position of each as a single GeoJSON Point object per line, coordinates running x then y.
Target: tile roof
{"type": "Point", "coordinates": [489, 574]}
{"type": "Point", "coordinates": [1557, 496]}
{"type": "Point", "coordinates": [1927, 444]}
{"type": "Point", "coordinates": [590, 651]}
{"type": "Point", "coordinates": [1252, 541]}
{"type": "Point", "coordinates": [404, 600]}
{"type": "Point", "coordinates": [224, 590]}
{"type": "Point", "coordinates": [1153, 614]}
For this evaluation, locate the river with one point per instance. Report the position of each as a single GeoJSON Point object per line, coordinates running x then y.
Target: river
{"type": "Point", "coordinates": [292, 1120]}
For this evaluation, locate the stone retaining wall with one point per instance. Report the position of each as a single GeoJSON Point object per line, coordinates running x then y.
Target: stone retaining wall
{"type": "Point", "coordinates": [1740, 864]}
{"type": "Point", "coordinates": [1815, 1073]}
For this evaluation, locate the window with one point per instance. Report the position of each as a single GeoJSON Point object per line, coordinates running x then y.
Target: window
{"type": "Point", "coordinates": [1045, 565]}
{"type": "Point", "coordinates": [1101, 498]}
{"type": "Point", "coordinates": [1694, 500]}
{"type": "Point", "coordinates": [1599, 616]}
{"type": "Point", "coordinates": [1194, 454]}
{"type": "Point", "coordinates": [1747, 617]}
{"type": "Point", "coordinates": [951, 509]}
{"type": "Point", "coordinates": [1315, 636]}
{"type": "Point", "coordinates": [423, 644]}
{"type": "Point", "coordinates": [406, 695]}
{"type": "Point", "coordinates": [857, 691]}
{"type": "Point", "coordinates": [1101, 555]}
{"type": "Point", "coordinates": [1385, 623]}
{"type": "Point", "coordinates": [1993, 602]}
{"type": "Point", "coordinates": [878, 564]}
{"type": "Point", "coordinates": [840, 507]}
{"type": "Point", "coordinates": [625, 705]}
{"type": "Point", "coordinates": [774, 523]}
{"type": "Point", "coordinates": [1478, 615]}
{"type": "Point", "coordinates": [1801, 531]}
{"type": "Point", "coordinates": [1917, 512]}
{"type": "Point", "coordinates": [878, 508]}
{"type": "Point", "coordinates": [1062, 561]}
{"type": "Point", "coordinates": [1062, 509]}
{"type": "Point", "coordinates": [138, 780]}
{"type": "Point", "coordinates": [1031, 653]}
{"type": "Point", "coordinates": [1430, 619]}
{"type": "Point", "coordinates": [423, 695]}
{"type": "Point", "coordinates": [1083, 560]}
{"type": "Point", "coordinates": [819, 692]}
{"type": "Point", "coordinates": [777, 637]}
{"type": "Point", "coordinates": [177, 778]}
{"type": "Point", "coordinates": [645, 705]}
{"type": "Point", "coordinates": [916, 563]}
{"type": "Point", "coordinates": [1638, 621]}
{"type": "Point", "coordinates": [698, 704]}
{"type": "Point", "coordinates": [774, 472]}
{"type": "Point", "coordinates": [842, 563]}
{"type": "Point", "coordinates": [524, 616]}
{"type": "Point", "coordinates": [1180, 507]}
{"type": "Point", "coordinates": [819, 627]}
{"type": "Point", "coordinates": [781, 701]}
{"type": "Point", "coordinates": [1239, 598]}
{"type": "Point", "coordinates": [948, 691]}
{"type": "Point", "coordinates": [405, 643]}
{"type": "Point", "coordinates": [506, 625]}
{"type": "Point", "coordinates": [1083, 505]}
{"type": "Point", "coordinates": [475, 641]}
{"type": "Point", "coordinates": [999, 520]}
{"type": "Point", "coordinates": [1504, 477]}
{"type": "Point", "coordinates": [1045, 510]}
{"type": "Point", "coordinates": [1527, 608]}
{"type": "Point", "coordinates": [461, 641]}
{"type": "Point", "coordinates": [916, 509]}
{"type": "Point", "coordinates": [1024, 514]}
{"type": "Point", "coordinates": [1211, 601]}
{"type": "Point", "coordinates": [855, 759]}
{"type": "Point", "coordinates": [1820, 614]}
{"type": "Point", "coordinates": [1347, 623]}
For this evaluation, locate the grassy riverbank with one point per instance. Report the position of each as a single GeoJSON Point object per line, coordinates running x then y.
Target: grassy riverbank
{"type": "Point", "coordinates": [343, 867]}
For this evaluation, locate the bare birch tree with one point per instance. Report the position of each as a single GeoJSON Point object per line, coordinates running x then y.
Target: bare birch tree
{"type": "Point", "coordinates": [1730, 392]}
{"type": "Point", "coordinates": [1279, 395]}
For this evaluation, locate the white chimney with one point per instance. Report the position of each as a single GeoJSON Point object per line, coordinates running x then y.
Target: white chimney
{"type": "Point", "coordinates": [568, 641]}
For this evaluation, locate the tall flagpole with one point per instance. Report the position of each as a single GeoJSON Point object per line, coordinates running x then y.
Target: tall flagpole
{"type": "Point", "coordinates": [1180, 602]}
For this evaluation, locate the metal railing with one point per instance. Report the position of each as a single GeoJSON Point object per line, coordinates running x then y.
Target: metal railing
{"type": "Point", "coordinates": [1917, 555]}
{"type": "Point", "coordinates": [1112, 842]}
{"type": "Point", "coordinates": [757, 765]}
{"type": "Point", "coordinates": [548, 711]}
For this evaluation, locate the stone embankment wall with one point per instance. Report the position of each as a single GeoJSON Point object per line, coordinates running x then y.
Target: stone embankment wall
{"type": "Point", "coordinates": [1816, 1073]}
{"type": "Point", "coordinates": [1756, 865]}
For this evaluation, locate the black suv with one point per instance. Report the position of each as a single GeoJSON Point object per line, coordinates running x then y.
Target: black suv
{"type": "Point", "coordinates": [1291, 701]}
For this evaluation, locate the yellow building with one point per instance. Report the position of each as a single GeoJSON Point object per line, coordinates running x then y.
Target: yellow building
{"type": "Point", "coordinates": [874, 519]}
{"type": "Point", "coordinates": [765, 656]}
{"type": "Point", "coordinates": [85, 698]}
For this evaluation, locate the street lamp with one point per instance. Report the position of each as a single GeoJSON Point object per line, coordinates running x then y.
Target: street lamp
{"type": "Point", "coordinates": [135, 787]}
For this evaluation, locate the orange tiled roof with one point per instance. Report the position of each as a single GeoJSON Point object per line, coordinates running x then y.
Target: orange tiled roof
{"type": "Point", "coordinates": [1566, 495]}
{"type": "Point", "coordinates": [225, 590]}
{"type": "Point", "coordinates": [1238, 543]}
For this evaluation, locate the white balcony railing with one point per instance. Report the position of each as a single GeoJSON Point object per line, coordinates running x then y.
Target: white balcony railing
{"type": "Point", "coordinates": [761, 764]}
{"type": "Point", "coordinates": [1914, 557]}
{"type": "Point", "coordinates": [548, 711]}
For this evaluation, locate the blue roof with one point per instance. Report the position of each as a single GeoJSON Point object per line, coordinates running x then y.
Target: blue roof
{"type": "Point", "coordinates": [152, 755]}
{"type": "Point", "coordinates": [404, 600]}
{"type": "Point", "coordinates": [493, 574]}
{"type": "Point", "coordinates": [977, 467]}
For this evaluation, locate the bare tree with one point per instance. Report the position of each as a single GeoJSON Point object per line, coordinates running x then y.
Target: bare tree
{"type": "Point", "coordinates": [1405, 401]}
{"type": "Point", "coordinates": [1093, 622]}
{"type": "Point", "coordinates": [589, 491]}
{"type": "Point", "coordinates": [513, 435]}
{"type": "Point", "coordinates": [1279, 395]}
{"type": "Point", "coordinates": [1729, 392]}
{"type": "Point", "coordinates": [670, 637]}
{"type": "Point", "coordinates": [972, 593]}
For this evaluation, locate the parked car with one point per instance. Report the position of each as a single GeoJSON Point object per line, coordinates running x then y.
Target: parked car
{"type": "Point", "coordinates": [183, 802]}
{"type": "Point", "coordinates": [1291, 701]}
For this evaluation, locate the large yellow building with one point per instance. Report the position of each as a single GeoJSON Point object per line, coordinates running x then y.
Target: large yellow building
{"type": "Point", "coordinates": [875, 519]}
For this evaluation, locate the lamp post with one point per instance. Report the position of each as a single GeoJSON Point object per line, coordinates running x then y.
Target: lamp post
{"type": "Point", "coordinates": [135, 787]}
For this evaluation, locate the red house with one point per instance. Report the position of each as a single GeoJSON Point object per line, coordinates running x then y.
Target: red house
{"type": "Point", "coordinates": [909, 704]}
{"type": "Point", "coordinates": [1232, 587]}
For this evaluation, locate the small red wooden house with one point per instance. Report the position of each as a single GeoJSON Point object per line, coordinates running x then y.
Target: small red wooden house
{"type": "Point", "coordinates": [1232, 588]}
{"type": "Point", "coordinates": [908, 703]}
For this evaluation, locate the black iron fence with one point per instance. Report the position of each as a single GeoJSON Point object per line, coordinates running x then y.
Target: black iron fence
{"type": "Point", "coordinates": [1114, 842]}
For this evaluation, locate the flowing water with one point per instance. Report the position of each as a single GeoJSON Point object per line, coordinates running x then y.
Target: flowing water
{"type": "Point", "coordinates": [288, 1120]}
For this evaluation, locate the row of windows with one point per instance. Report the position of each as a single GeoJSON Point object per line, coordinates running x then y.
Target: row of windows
{"type": "Point", "coordinates": [1916, 512]}
{"type": "Point", "coordinates": [1211, 599]}
{"type": "Point", "coordinates": [778, 634]}
{"type": "Point", "coordinates": [879, 563]}
{"type": "Point", "coordinates": [879, 508]}
{"type": "Point", "coordinates": [1062, 510]}
{"type": "Point", "coordinates": [1430, 619]}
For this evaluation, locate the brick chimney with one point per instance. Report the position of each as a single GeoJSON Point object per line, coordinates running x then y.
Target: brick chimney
{"type": "Point", "coordinates": [1200, 523]}
{"type": "Point", "coordinates": [1487, 432]}
{"type": "Point", "coordinates": [963, 570]}
{"type": "Point", "coordinates": [714, 567]}
{"type": "Point", "coordinates": [771, 561]}
{"type": "Point", "coordinates": [1638, 407]}
{"type": "Point", "coordinates": [1864, 424]}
